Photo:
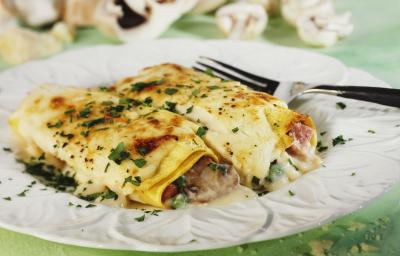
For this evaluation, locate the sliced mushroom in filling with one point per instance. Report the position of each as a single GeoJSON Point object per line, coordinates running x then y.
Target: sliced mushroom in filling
{"type": "Point", "coordinates": [204, 182]}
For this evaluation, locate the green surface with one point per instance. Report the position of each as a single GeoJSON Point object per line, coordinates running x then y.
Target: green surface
{"type": "Point", "coordinates": [375, 47]}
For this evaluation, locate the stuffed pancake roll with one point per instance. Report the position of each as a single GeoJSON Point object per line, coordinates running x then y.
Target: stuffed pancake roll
{"type": "Point", "coordinates": [119, 150]}
{"type": "Point", "coordinates": [267, 143]}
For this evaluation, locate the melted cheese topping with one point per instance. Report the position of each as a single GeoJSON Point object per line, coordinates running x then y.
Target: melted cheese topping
{"type": "Point", "coordinates": [247, 128]}
{"type": "Point", "coordinates": [81, 128]}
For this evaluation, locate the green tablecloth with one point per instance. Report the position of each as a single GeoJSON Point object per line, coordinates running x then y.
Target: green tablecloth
{"type": "Point", "coordinates": [375, 47]}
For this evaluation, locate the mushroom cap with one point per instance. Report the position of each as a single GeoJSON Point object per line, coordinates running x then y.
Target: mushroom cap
{"type": "Point", "coordinates": [293, 10]}
{"type": "Point", "coordinates": [35, 12]}
{"type": "Point", "coordinates": [242, 20]}
{"type": "Point", "coordinates": [324, 31]}
{"type": "Point", "coordinates": [205, 6]}
{"type": "Point", "coordinates": [127, 20]}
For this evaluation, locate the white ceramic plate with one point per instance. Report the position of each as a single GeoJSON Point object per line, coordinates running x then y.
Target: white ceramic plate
{"type": "Point", "coordinates": [320, 196]}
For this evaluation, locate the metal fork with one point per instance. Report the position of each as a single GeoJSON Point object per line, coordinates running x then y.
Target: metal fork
{"type": "Point", "coordinates": [290, 90]}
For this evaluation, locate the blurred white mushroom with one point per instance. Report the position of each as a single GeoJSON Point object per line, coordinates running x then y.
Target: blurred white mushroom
{"type": "Point", "coordinates": [80, 12]}
{"type": "Point", "coordinates": [293, 10]}
{"type": "Point", "coordinates": [7, 20]}
{"type": "Point", "coordinates": [128, 20]}
{"type": "Point", "coordinates": [18, 45]}
{"type": "Point", "coordinates": [271, 6]}
{"type": "Point", "coordinates": [324, 30]}
{"type": "Point", "coordinates": [242, 20]}
{"type": "Point", "coordinates": [35, 12]}
{"type": "Point", "coordinates": [204, 6]}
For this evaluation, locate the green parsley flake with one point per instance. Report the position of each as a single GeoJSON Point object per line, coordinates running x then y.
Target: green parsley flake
{"type": "Point", "coordinates": [56, 125]}
{"type": "Point", "coordinates": [110, 195]}
{"type": "Point", "coordinates": [106, 169]}
{"type": "Point", "coordinates": [213, 87]}
{"type": "Point", "coordinates": [148, 101]}
{"type": "Point", "coordinates": [170, 106]}
{"type": "Point", "coordinates": [292, 164]}
{"type": "Point", "coordinates": [135, 181]}
{"type": "Point", "coordinates": [340, 105]}
{"type": "Point", "coordinates": [141, 85]}
{"type": "Point", "coordinates": [201, 131]}
{"type": "Point", "coordinates": [209, 72]}
{"type": "Point", "coordinates": [140, 162]}
{"type": "Point", "coordinates": [195, 92]}
{"type": "Point", "coordinates": [338, 140]}
{"type": "Point", "coordinates": [119, 154]}
{"type": "Point", "coordinates": [189, 110]}
{"type": "Point", "coordinates": [322, 133]}
{"type": "Point", "coordinates": [91, 123]}
{"type": "Point", "coordinates": [90, 206]}
{"type": "Point", "coordinates": [235, 130]}
{"type": "Point", "coordinates": [171, 91]}
{"type": "Point", "coordinates": [291, 193]}
{"type": "Point", "coordinates": [7, 198]}
{"type": "Point", "coordinates": [320, 147]}
{"type": "Point", "coordinates": [23, 193]}
{"type": "Point", "coordinates": [353, 174]}
{"type": "Point", "coordinates": [85, 112]}
{"type": "Point", "coordinates": [70, 111]}
{"type": "Point", "coordinates": [179, 201]}
{"type": "Point", "coordinates": [7, 149]}
{"type": "Point", "coordinates": [371, 131]}
{"type": "Point", "coordinates": [141, 218]}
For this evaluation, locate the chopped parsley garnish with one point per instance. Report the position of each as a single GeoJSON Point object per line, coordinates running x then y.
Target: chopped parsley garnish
{"type": "Point", "coordinates": [91, 123]}
{"type": "Point", "coordinates": [7, 198]}
{"type": "Point", "coordinates": [115, 111]}
{"type": "Point", "coordinates": [291, 193]}
{"type": "Point", "coordinates": [338, 140]}
{"type": "Point", "coordinates": [170, 106]}
{"type": "Point", "coordinates": [85, 112]}
{"type": "Point", "coordinates": [275, 171]}
{"type": "Point", "coordinates": [171, 91]}
{"type": "Point", "coordinates": [106, 169]}
{"type": "Point", "coordinates": [180, 182]}
{"type": "Point", "coordinates": [195, 92]}
{"type": "Point", "coordinates": [201, 131]}
{"type": "Point", "coordinates": [209, 72]}
{"type": "Point", "coordinates": [292, 164]}
{"type": "Point", "coordinates": [235, 130]}
{"type": "Point", "coordinates": [135, 181]}
{"type": "Point", "coordinates": [148, 101]}
{"type": "Point", "coordinates": [109, 194]}
{"type": "Point", "coordinates": [70, 111]}
{"type": "Point", "coordinates": [204, 95]}
{"type": "Point", "coordinates": [85, 133]}
{"type": "Point", "coordinates": [119, 154]}
{"type": "Point", "coordinates": [217, 167]}
{"type": "Point", "coordinates": [141, 85]}
{"type": "Point", "coordinates": [140, 162]}
{"type": "Point", "coordinates": [140, 219]}
{"type": "Point", "coordinates": [103, 89]}
{"type": "Point", "coordinates": [353, 174]}
{"type": "Point", "coordinates": [142, 150]}
{"type": "Point", "coordinates": [23, 193]}
{"type": "Point", "coordinates": [66, 135]}
{"type": "Point", "coordinates": [91, 197]}
{"type": "Point", "coordinates": [90, 205]}
{"type": "Point", "coordinates": [322, 133]}
{"type": "Point", "coordinates": [371, 131]}
{"type": "Point", "coordinates": [340, 105]}
{"type": "Point", "coordinates": [320, 147]}
{"type": "Point", "coordinates": [189, 110]}
{"type": "Point", "coordinates": [213, 87]}
{"type": "Point", "coordinates": [179, 201]}
{"type": "Point", "coordinates": [56, 125]}
{"type": "Point", "coordinates": [7, 149]}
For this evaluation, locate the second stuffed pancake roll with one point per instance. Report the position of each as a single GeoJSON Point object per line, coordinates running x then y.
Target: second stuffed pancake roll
{"type": "Point", "coordinates": [269, 144]}
{"type": "Point", "coordinates": [119, 147]}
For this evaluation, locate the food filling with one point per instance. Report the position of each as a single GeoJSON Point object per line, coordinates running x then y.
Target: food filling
{"type": "Point", "coordinates": [205, 181]}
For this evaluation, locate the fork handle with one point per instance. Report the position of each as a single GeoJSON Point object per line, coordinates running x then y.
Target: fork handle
{"type": "Point", "coordinates": [384, 96]}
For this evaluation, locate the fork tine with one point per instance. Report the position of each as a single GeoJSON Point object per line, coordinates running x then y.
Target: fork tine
{"type": "Point", "coordinates": [252, 85]}
{"type": "Point", "coordinates": [269, 82]}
